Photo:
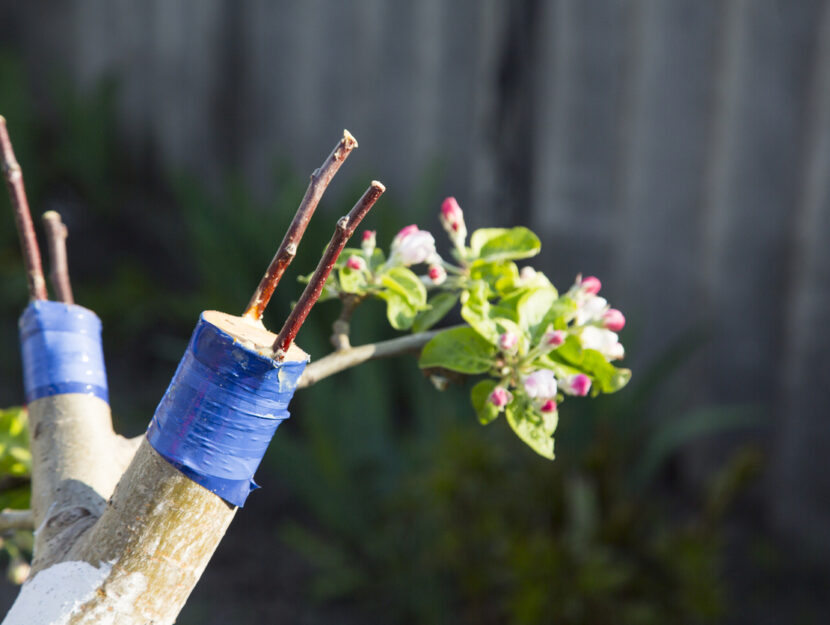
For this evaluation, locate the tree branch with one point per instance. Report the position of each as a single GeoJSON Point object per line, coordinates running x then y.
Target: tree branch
{"type": "Point", "coordinates": [22, 216]}
{"type": "Point", "coordinates": [288, 248]}
{"type": "Point", "coordinates": [342, 326]}
{"type": "Point", "coordinates": [56, 234]}
{"type": "Point", "coordinates": [347, 358]}
{"type": "Point", "coordinates": [16, 520]}
{"type": "Point", "coordinates": [345, 228]}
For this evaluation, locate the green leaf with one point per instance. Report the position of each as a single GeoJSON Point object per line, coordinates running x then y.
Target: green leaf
{"type": "Point", "coordinates": [458, 349]}
{"type": "Point", "coordinates": [351, 280]}
{"type": "Point", "coordinates": [376, 259]}
{"type": "Point", "coordinates": [475, 310]}
{"type": "Point", "coordinates": [533, 308]}
{"type": "Point", "coordinates": [479, 395]}
{"type": "Point", "coordinates": [405, 283]}
{"type": "Point", "coordinates": [495, 273]}
{"type": "Point", "coordinates": [495, 244]}
{"type": "Point", "coordinates": [558, 315]}
{"type": "Point", "coordinates": [344, 256]}
{"type": "Point", "coordinates": [439, 305]}
{"type": "Point", "coordinates": [529, 427]}
{"type": "Point", "coordinates": [606, 378]}
{"type": "Point", "coordinates": [400, 313]}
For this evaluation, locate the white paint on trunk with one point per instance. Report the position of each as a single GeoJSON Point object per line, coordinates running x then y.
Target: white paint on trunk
{"type": "Point", "coordinates": [51, 596]}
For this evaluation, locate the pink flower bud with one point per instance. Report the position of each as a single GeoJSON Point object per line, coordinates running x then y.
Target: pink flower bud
{"type": "Point", "coordinates": [540, 384]}
{"type": "Point", "coordinates": [356, 263]}
{"type": "Point", "coordinates": [614, 320]}
{"type": "Point", "coordinates": [452, 218]}
{"type": "Point", "coordinates": [549, 406]}
{"type": "Point", "coordinates": [591, 285]}
{"type": "Point", "coordinates": [554, 339]}
{"type": "Point", "coordinates": [500, 397]}
{"type": "Point", "coordinates": [578, 385]}
{"type": "Point", "coordinates": [437, 274]}
{"type": "Point", "coordinates": [508, 341]}
{"type": "Point", "coordinates": [368, 242]}
{"type": "Point", "coordinates": [412, 246]}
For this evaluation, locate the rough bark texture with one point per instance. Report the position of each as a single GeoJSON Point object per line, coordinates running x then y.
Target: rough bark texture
{"type": "Point", "coordinates": [158, 532]}
{"type": "Point", "coordinates": [76, 461]}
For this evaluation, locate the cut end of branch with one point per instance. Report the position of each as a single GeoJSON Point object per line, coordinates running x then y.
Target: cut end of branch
{"type": "Point", "coordinates": [56, 233]}
{"type": "Point", "coordinates": [349, 142]}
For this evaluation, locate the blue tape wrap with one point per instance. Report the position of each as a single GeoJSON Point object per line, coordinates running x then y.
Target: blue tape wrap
{"type": "Point", "coordinates": [62, 353]}
{"type": "Point", "coordinates": [221, 410]}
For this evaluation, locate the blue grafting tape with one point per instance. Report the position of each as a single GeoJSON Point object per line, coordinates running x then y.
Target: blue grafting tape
{"type": "Point", "coordinates": [62, 353]}
{"type": "Point", "coordinates": [221, 410]}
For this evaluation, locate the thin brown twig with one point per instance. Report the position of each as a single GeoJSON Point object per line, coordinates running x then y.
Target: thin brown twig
{"type": "Point", "coordinates": [22, 216]}
{"type": "Point", "coordinates": [345, 228]}
{"type": "Point", "coordinates": [288, 248]}
{"type": "Point", "coordinates": [56, 234]}
{"type": "Point", "coordinates": [344, 359]}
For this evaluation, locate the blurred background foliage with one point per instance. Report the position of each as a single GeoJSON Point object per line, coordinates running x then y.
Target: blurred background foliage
{"type": "Point", "coordinates": [384, 498]}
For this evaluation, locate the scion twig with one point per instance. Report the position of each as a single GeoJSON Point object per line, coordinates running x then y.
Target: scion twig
{"type": "Point", "coordinates": [345, 228]}
{"type": "Point", "coordinates": [22, 216]}
{"type": "Point", "coordinates": [56, 234]}
{"type": "Point", "coordinates": [288, 248]}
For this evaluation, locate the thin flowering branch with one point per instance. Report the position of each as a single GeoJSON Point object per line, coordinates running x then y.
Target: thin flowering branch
{"type": "Point", "coordinates": [320, 180]}
{"type": "Point", "coordinates": [22, 216]}
{"type": "Point", "coordinates": [341, 328]}
{"type": "Point", "coordinates": [56, 234]}
{"type": "Point", "coordinates": [345, 228]}
{"type": "Point", "coordinates": [345, 359]}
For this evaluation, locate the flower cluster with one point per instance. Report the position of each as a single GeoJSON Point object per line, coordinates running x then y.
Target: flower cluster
{"type": "Point", "coordinates": [535, 346]}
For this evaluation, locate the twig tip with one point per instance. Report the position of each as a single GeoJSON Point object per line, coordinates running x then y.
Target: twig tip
{"type": "Point", "coordinates": [378, 185]}
{"type": "Point", "coordinates": [349, 140]}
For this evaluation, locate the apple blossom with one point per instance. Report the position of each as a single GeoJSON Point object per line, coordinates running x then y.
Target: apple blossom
{"type": "Point", "coordinates": [368, 242]}
{"type": "Point", "coordinates": [591, 285]}
{"type": "Point", "coordinates": [500, 397]}
{"type": "Point", "coordinates": [614, 320]}
{"type": "Point", "coordinates": [553, 339]}
{"type": "Point", "coordinates": [604, 341]}
{"type": "Point", "coordinates": [578, 385]}
{"type": "Point", "coordinates": [592, 308]}
{"type": "Point", "coordinates": [412, 246]}
{"type": "Point", "coordinates": [508, 341]}
{"type": "Point", "coordinates": [356, 263]}
{"type": "Point", "coordinates": [548, 406]}
{"type": "Point", "coordinates": [540, 384]}
{"type": "Point", "coordinates": [452, 218]}
{"type": "Point", "coordinates": [437, 274]}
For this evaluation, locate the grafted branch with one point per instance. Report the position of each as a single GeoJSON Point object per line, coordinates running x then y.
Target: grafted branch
{"type": "Point", "coordinates": [288, 248]}
{"type": "Point", "coordinates": [56, 234]}
{"type": "Point", "coordinates": [345, 229]}
{"type": "Point", "coordinates": [22, 216]}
